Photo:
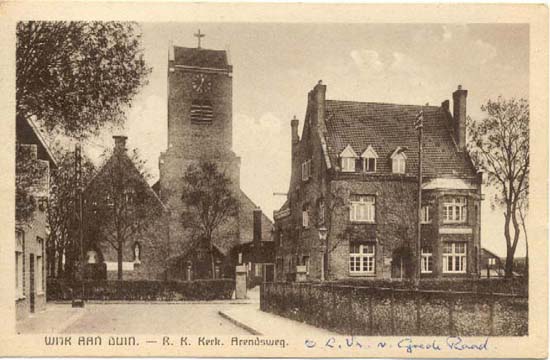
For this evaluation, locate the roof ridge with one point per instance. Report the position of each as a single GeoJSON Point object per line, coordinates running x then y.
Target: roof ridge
{"type": "Point", "coordinates": [380, 103]}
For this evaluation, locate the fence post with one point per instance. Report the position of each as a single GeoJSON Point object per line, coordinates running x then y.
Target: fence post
{"type": "Point", "coordinates": [350, 312]}
{"type": "Point", "coordinates": [370, 322]}
{"type": "Point", "coordinates": [491, 317]}
{"type": "Point", "coordinates": [417, 303]}
{"type": "Point", "coordinates": [392, 312]}
{"type": "Point", "coordinates": [451, 320]}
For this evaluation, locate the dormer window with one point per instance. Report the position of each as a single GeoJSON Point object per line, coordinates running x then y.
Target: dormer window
{"type": "Point", "coordinates": [348, 158]}
{"type": "Point", "coordinates": [369, 157]}
{"type": "Point", "coordinates": [398, 161]}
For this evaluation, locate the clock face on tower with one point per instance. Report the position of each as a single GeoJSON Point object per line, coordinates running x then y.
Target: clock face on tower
{"type": "Point", "coordinates": [202, 83]}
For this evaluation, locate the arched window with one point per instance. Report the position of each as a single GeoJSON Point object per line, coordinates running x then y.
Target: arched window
{"type": "Point", "coordinates": [201, 112]}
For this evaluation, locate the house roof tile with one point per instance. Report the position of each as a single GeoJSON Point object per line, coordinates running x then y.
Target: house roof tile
{"type": "Point", "coordinates": [386, 127]}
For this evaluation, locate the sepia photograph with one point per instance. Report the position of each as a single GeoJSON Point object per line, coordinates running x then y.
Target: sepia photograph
{"type": "Point", "coordinates": [242, 186]}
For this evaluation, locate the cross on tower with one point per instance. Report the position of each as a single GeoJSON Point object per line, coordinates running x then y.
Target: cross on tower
{"type": "Point", "coordinates": [198, 35]}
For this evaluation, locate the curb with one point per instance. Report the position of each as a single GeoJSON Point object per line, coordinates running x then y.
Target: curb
{"type": "Point", "coordinates": [113, 302]}
{"type": "Point", "coordinates": [239, 324]}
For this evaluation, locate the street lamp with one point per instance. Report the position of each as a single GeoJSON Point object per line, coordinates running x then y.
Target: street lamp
{"type": "Point", "coordinates": [323, 232]}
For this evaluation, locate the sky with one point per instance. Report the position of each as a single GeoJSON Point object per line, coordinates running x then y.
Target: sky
{"type": "Point", "coordinates": [275, 65]}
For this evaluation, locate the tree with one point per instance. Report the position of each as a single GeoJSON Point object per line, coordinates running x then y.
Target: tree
{"type": "Point", "coordinates": [499, 145]}
{"type": "Point", "coordinates": [117, 203]}
{"type": "Point", "coordinates": [30, 177]}
{"type": "Point", "coordinates": [61, 211]}
{"type": "Point", "coordinates": [209, 202]}
{"type": "Point", "coordinates": [77, 76]}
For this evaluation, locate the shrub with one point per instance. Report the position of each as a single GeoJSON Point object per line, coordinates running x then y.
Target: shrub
{"type": "Point", "coordinates": [141, 290]}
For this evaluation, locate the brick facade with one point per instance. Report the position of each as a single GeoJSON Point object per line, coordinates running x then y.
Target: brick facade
{"type": "Point", "coordinates": [152, 239]}
{"type": "Point", "coordinates": [201, 77]}
{"type": "Point", "coordinates": [31, 236]}
{"type": "Point", "coordinates": [327, 192]}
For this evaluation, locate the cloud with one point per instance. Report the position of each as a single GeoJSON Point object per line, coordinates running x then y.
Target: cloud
{"type": "Point", "coordinates": [484, 52]}
{"type": "Point", "coordinates": [367, 60]}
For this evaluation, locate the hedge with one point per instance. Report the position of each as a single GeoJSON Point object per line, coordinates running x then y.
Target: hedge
{"type": "Point", "coordinates": [372, 311]}
{"type": "Point", "coordinates": [141, 290]}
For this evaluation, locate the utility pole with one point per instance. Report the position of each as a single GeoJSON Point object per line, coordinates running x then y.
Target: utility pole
{"type": "Point", "coordinates": [79, 268]}
{"type": "Point", "coordinates": [419, 125]}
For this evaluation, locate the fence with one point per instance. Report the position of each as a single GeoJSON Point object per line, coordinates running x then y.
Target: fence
{"type": "Point", "coordinates": [353, 310]}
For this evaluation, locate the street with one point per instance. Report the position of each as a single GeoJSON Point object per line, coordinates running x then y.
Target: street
{"type": "Point", "coordinates": [133, 319]}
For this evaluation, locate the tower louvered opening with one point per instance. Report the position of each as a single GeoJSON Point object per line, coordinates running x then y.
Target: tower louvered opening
{"type": "Point", "coordinates": [201, 112]}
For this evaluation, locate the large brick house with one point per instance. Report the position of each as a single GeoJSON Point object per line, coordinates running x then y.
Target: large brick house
{"type": "Point", "coordinates": [200, 128]}
{"type": "Point", "coordinates": [354, 173]}
{"type": "Point", "coordinates": [31, 234]}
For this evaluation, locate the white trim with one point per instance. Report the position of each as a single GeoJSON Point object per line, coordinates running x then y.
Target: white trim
{"type": "Point", "coordinates": [348, 152]}
{"type": "Point", "coordinates": [455, 231]}
{"type": "Point", "coordinates": [369, 153]}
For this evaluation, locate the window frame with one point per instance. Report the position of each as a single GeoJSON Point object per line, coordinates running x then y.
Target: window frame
{"type": "Point", "coordinates": [426, 214]}
{"type": "Point", "coordinates": [399, 165]}
{"type": "Point", "coordinates": [457, 208]}
{"type": "Point", "coordinates": [40, 267]}
{"type": "Point", "coordinates": [306, 170]}
{"type": "Point", "coordinates": [305, 216]}
{"type": "Point", "coordinates": [369, 205]}
{"type": "Point", "coordinates": [366, 163]}
{"type": "Point", "coordinates": [426, 263]}
{"type": "Point", "coordinates": [453, 256]}
{"type": "Point", "coordinates": [361, 259]}
{"type": "Point", "coordinates": [347, 160]}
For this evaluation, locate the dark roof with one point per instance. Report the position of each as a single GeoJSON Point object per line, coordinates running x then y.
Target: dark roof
{"type": "Point", "coordinates": [386, 127]}
{"type": "Point", "coordinates": [201, 57]}
{"type": "Point", "coordinates": [27, 132]}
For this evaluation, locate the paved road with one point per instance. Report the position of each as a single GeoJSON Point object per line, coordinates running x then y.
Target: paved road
{"type": "Point", "coordinates": [186, 319]}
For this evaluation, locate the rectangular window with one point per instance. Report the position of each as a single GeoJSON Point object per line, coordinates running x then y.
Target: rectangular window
{"type": "Point", "coordinates": [370, 164]}
{"type": "Point", "coordinates": [305, 262]}
{"type": "Point", "coordinates": [306, 170]}
{"type": "Point", "coordinates": [361, 258]}
{"type": "Point", "coordinates": [455, 210]}
{"type": "Point", "coordinates": [492, 261]}
{"type": "Point", "coordinates": [427, 260]}
{"type": "Point", "coordinates": [362, 209]}
{"type": "Point", "coordinates": [426, 214]}
{"type": "Point", "coordinates": [258, 270]}
{"type": "Point", "coordinates": [398, 165]}
{"type": "Point", "coordinates": [454, 257]}
{"type": "Point", "coordinates": [348, 164]}
{"type": "Point", "coordinates": [19, 264]}
{"type": "Point", "coordinates": [305, 216]}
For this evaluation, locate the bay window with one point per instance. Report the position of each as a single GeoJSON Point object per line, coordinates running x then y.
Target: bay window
{"type": "Point", "coordinates": [455, 210]}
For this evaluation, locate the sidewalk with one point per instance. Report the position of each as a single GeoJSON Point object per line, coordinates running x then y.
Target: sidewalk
{"type": "Point", "coordinates": [54, 319]}
{"type": "Point", "coordinates": [257, 322]}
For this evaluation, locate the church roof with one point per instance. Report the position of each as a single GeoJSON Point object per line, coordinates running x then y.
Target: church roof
{"type": "Point", "coordinates": [199, 57]}
{"type": "Point", "coordinates": [387, 127]}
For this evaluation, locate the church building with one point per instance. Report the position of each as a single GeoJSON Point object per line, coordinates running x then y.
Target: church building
{"type": "Point", "coordinates": [200, 128]}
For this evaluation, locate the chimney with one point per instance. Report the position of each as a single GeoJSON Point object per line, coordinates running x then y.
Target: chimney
{"type": "Point", "coordinates": [445, 106]}
{"type": "Point", "coordinates": [459, 117]}
{"type": "Point", "coordinates": [257, 225]}
{"type": "Point", "coordinates": [120, 143]}
{"type": "Point", "coordinates": [319, 93]}
{"type": "Point", "coordinates": [294, 126]}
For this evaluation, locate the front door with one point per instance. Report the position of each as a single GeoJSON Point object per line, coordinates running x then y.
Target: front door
{"type": "Point", "coordinates": [31, 282]}
{"type": "Point", "coordinates": [269, 273]}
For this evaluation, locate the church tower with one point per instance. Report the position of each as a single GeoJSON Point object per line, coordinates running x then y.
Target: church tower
{"type": "Point", "coordinates": [199, 129]}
